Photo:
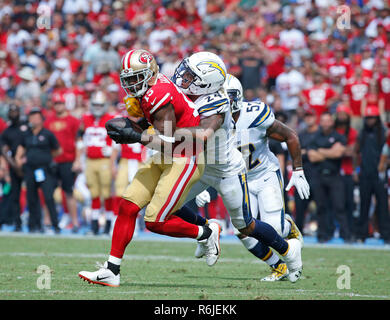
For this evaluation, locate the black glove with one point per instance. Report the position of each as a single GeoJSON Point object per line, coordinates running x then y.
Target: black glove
{"type": "Point", "coordinates": [124, 135]}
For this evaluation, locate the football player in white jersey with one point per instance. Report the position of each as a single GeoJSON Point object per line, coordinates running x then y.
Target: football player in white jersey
{"type": "Point", "coordinates": [201, 78]}
{"type": "Point", "coordinates": [254, 124]}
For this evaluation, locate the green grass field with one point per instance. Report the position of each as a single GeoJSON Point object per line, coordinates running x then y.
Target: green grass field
{"type": "Point", "coordinates": [165, 270]}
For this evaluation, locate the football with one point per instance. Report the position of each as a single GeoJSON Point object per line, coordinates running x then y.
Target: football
{"type": "Point", "coordinates": [122, 123]}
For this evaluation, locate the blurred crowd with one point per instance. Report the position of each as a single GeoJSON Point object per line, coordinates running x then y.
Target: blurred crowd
{"type": "Point", "coordinates": [322, 65]}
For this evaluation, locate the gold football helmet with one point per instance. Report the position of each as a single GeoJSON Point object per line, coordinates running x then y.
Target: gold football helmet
{"type": "Point", "coordinates": [139, 70]}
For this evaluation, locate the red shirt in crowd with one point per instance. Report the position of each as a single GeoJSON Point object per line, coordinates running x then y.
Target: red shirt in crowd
{"type": "Point", "coordinates": [356, 90]}
{"type": "Point", "coordinates": [65, 129]}
{"type": "Point", "coordinates": [95, 135]}
{"type": "Point", "coordinates": [318, 97]}
{"type": "Point", "coordinates": [384, 90]}
{"type": "Point", "coordinates": [339, 68]}
{"type": "Point", "coordinates": [346, 162]}
{"type": "Point", "coordinates": [3, 125]}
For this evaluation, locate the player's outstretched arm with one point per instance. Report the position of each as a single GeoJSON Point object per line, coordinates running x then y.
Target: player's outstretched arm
{"type": "Point", "coordinates": [283, 133]}
{"type": "Point", "coordinates": [204, 131]}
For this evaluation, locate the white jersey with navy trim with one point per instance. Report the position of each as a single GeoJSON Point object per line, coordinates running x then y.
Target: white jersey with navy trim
{"type": "Point", "coordinates": [251, 128]}
{"type": "Point", "coordinates": [222, 157]}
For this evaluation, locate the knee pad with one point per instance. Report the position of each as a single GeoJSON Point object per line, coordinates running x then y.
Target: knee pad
{"type": "Point", "coordinates": [272, 199]}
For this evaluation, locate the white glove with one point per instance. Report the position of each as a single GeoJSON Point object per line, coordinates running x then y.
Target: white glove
{"type": "Point", "coordinates": [298, 180]}
{"type": "Point", "coordinates": [202, 198]}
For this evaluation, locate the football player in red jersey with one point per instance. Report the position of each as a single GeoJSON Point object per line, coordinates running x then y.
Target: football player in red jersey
{"type": "Point", "coordinates": [100, 159]}
{"type": "Point", "coordinates": [161, 184]}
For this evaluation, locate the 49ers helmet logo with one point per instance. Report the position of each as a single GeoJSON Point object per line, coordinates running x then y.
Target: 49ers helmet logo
{"type": "Point", "coordinates": [145, 57]}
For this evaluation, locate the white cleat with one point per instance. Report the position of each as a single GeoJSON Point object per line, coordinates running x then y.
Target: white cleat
{"type": "Point", "coordinates": [211, 246]}
{"type": "Point", "coordinates": [200, 250]}
{"type": "Point", "coordinates": [103, 276]}
{"type": "Point", "coordinates": [279, 273]}
{"type": "Point", "coordinates": [200, 247]}
{"type": "Point", "coordinates": [293, 260]}
{"type": "Point", "coordinates": [295, 233]}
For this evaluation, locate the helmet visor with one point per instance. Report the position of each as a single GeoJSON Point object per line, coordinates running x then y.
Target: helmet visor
{"type": "Point", "coordinates": [233, 97]}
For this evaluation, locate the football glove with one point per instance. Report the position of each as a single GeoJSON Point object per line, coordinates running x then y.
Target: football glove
{"type": "Point", "coordinates": [124, 135]}
{"type": "Point", "coordinates": [202, 198]}
{"type": "Point", "coordinates": [298, 180]}
{"type": "Point", "coordinates": [133, 107]}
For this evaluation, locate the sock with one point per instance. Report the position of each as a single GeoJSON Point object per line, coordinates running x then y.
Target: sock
{"type": "Point", "coordinates": [96, 203]}
{"type": "Point", "coordinates": [273, 264]}
{"type": "Point", "coordinates": [114, 264]}
{"type": "Point", "coordinates": [113, 267]}
{"type": "Point", "coordinates": [205, 233]}
{"type": "Point", "coordinates": [257, 248]}
{"type": "Point", "coordinates": [95, 226]}
{"type": "Point", "coordinates": [190, 216]}
{"type": "Point", "coordinates": [286, 229]}
{"type": "Point", "coordinates": [266, 234]}
{"type": "Point", "coordinates": [124, 227]}
{"type": "Point", "coordinates": [174, 227]}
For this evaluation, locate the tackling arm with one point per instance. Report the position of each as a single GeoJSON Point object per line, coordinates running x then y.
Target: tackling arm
{"type": "Point", "coordinates": [282, 133]}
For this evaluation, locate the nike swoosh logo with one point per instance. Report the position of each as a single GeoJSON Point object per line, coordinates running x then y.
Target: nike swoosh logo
{"type": "Point", "coordinates": [216, 247]}
{"type": "Point", "coordinates": [98, 279]}
{"type": "Point", "coordinates": [266, 179]}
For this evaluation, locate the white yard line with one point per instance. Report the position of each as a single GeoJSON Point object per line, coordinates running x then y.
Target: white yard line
{"type": "Point", "coordinates": [284, 292]}
{"type": "Point", "coordinates": [155, 238]}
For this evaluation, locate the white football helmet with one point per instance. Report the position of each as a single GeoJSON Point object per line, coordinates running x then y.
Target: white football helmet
{"type": "Point", "coordinates": [98, 104]}
{"type": "Point", "coordinates": [201, 73]}
{"type": "Point", "coordinates": [234, 90]}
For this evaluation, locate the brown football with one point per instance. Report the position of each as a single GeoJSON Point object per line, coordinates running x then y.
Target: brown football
{"type": "Point", "coordinates": [121, 123]}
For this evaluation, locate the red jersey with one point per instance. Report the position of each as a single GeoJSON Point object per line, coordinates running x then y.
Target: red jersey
{"type": "Point", "coordinates": [3, 125]}
{"type": "Point", "coordinates": [339, 68]}
{"type": "Point", "coordinates": [165, 91]}
{"type": "Point", "coordinates": [95, 135]}
{"type": "Point", "coordinates": [384, 90]}
{"type": "Point", "coordinates": [186, 114]}
{"type": "Point", "coordinates": [65, 129]}
{"type": "Point", "coordinates": [134, 151]}
{"type": "Point", "coordinates": [346, 162]}
{"type": "Point", "coordinates": [356, 90]}
{"type": "Point", "coordinates": [318, 97]}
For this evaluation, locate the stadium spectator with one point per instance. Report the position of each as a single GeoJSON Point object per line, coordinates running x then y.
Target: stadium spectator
{"type": "Point", "coordinates": [320, 96]}
{"type": "Point", "coordinates": [372, 176]}
{"type": "Point", "coordinates": [11, 138]}
{"type": "Point", "coordinates": [326, 151]}
{"type": "Point", "coordinates": [343, 127]}
{"type": "Point", "coordinates": [34, 156]}
{"type": "Point", "coordinates": [28, 90]}
{"type": "Point", "coordinates": [66, 127]}
{"type": "Point", "coordinates": [306, 136]}
{"type": "Point", "coordinates": [356, 89]}
{"type": "Point", "coordinates": [289, 84]}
